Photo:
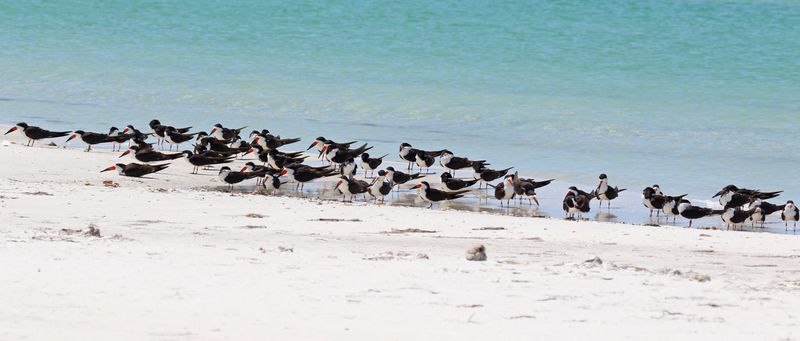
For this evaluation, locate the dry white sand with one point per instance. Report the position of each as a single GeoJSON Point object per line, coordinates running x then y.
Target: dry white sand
{"type": "Point", "coordinates": [192, 264]}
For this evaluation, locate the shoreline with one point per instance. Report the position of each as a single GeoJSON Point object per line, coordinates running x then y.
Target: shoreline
{"type": "Point", "coordinates": [187, 264]}
{"type": "Point", "coordinates": [627, 209]}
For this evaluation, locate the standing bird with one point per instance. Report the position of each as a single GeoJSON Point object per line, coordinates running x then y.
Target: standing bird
{"type": "Point", "coordinates": [450, 184]}
{"type": "Point", "coordinates": [173, 137]}
{"type": "Point", "coordinates": [347, 185]}
{"type": "Point", "coordinates": [732, 196]}
{"type": "Point", "coordinates": [320, 142]}
{"type": "Point", "coordinates": [527, 187]}
{"type": "Point", "coordinates": [277, 159]}
{"type": "Point", "coordinates": [790, 212]}
{"type": "Point", "coordinates": [433, 195]}
{"type": "Point", "coordinates": [270, 141]}
{"type": "Point", "coordinates": [454, 163]}
{"type": "Point", "coordinates": [272, 182]}
{"type": "Point", "coordinates": [504, 191]}
{"type": "Point", "coordinates": [339, 156]}
{"type": "Point", "coordinates": [576, 202]}
{"type": "Point", "coordinates": [224, 134]}
{"type": "Point", "coordinates": [231, 177]}
{"type": "Point", "coordinates": [488, 175]}
{"type": "Point", "coordinates": [35, 133]}
{"type": "Point", "coordinates": [398, 178]}
{"type": "Point", "coordinates": [204, 159]}
{"type": "Point", "coordinates": [380, 187]}
{"type": "Point", "coordinates": [652, 200]}
{"type": "Point", "coordinates": [159, 130]}
{"type": "Point", "coordinates": [348, 168]}
{"type": "Point", "coordinates": [302, 175]}
{"type": "Point", "coordinates": [764, 209]}
{"type": "Point", "coordinates": [135, 169]}
{"type": "Point", "coordinates": [89, 138]}
{"type": "Point", "coordinates": [670, 207]}
{"type": "Point", "coordinates": [605, 192]}
{"type": "Point", "coordinates": [690, 212]}
{"type": "Point", "coordinates": [118, 138]}
{"type": "Point", "coordinates": [733, 216]}
{"type": "Point", "coordinates": [424, 160]}
{"type": "Point", "coordinates": [409, 154]}
{"type": "Point", "coordinates": [371, 164]}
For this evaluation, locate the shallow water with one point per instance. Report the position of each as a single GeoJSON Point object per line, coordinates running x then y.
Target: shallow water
{"type": "Point", "coordinates": [692, 95]}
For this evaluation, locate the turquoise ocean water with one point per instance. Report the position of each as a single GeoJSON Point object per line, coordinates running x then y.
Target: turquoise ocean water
{"type": "Point", "coordinates": [692, 95]}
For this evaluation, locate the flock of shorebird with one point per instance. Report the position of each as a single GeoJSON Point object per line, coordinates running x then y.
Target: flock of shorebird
{"type": "Point", "coordinates": [222, 146]}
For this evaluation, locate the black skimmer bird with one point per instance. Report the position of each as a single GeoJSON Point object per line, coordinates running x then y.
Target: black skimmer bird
{"type": "Point", "coordinates": [790, 213]}
{"type": "Point", "coordinates": [231, 177]}
{"type": "Point", "coordinates": [339, 156]}
{"type": "Point", "coordinates": [652, 200]}
{"type": "Point", "coordinates": [488, 175]}
{"type": "Point", "coordinates": [135, 170]}
{"type": "Point", "coordinates": [224, 134]}
{"type": "Point", "coordinates": [409, 154]}
{"type": "Point", "coordinates": [398, 178]}
{"type": "Point", "coordinates": [607, 193]}
{"type": "Point", "coordinates": [433, 195]}
{"type": "Point", "coordinates": [576, 203]}
{"type": "Point", "coordinates": [453, 163]}
{"type": "Point", "coordinates": [733, 216]}
{"type": "Point", "coordinates": [670, 207]}
{"type": "Point", "coordinates": [691, 212]}
{"type": "Point", "coordinates": [301, 175]}
{"type": "Point", "coordinates": [148, 155]}
{"type": "Point", "coordinates": [450, 184]}
{"type": "Point", "coordinates": [764, 209]}
{"type": "Point", "coordinates": [261, 171]}
{"type": "Point", "coordinates": [118, 138]}
{"type": "Point", "coordinates": [380, 187]}
{"type": "Point", "coordinates": [348, 168]}
{"type": "Point", "coordinates": [527, 187]}
{"type": "Point", "coordinates": [347, 185]}
{"type": "Point", "coordinates": [35, 133]}
{"type": "Point", "coordinates": [424, 160]}
{"type": "Point", "coordinates": [159, 129]}
{"type": "Point", "coordinates": [278, 159]}
{"type": "Point", "coordinates": [217, 146]}
{"type": "Point", "coordinates": [273, 142]}
{"type": "Point", "coordinates": [204, 159]}
{"type": "Point", "coordinates": [272, 182]}
{"type": "Point", "coordinates": [321, 142]}
{"type": "Point", "coordinates": [371, 164]}
{"type": "Point", "coordinates": [732, 196]}
{"type": "Point", "coordinates": [89, 138]}
{"type": "Point", "coordinates": [173, 137]}
{"type": "Point", "coordinates": [504, 191]}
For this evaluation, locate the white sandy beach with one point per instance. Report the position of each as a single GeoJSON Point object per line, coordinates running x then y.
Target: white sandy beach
{"type": "Point", "coordinates": [176, 262]}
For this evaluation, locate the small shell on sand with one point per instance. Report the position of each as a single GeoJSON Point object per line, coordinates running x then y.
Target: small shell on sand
{"type": "Point", "coordinates": [476, 253]}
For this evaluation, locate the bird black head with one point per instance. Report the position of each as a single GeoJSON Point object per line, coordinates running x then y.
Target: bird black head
{"type": "Point", "coordinates": [391, 169]}
{"type": "Point", "coordinates": [218, 125]}
{"type": "Point", "coordinates": [446, 176]}
{"type": "Point", "coordinates": [381, 172]}
{"type": "Point", "coordinates": [364, 156]}
{"type": "Point", "coordinates": [80, 132]}
{"type": "Point", "coordinates": [250, 164]}
{"type": "Point", "coordinates": [790, 202]}
{"type": "Point", "coordinates": [23, 125]}
{"type": "Point", "coordinates": [648, 192]}
{"type": "Point", "coordinates": [112, 130]}
{"type": "Point", "coordinates": [264, 132]}
{"type": "Point", "coordinates": [573, 188]}
{"type": "Point", "coordinates": [404, 145]}
{"type": "Point", "coordinates": [445, 151]}
{"type": "Point", "coordinates": [225, 169]}
{"type": "Point", "coordinates": [603, 176]}
{"type": "Point", "coordinates": [155, 123]}
{"type": "Point", "coordinates": [731, 188]}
